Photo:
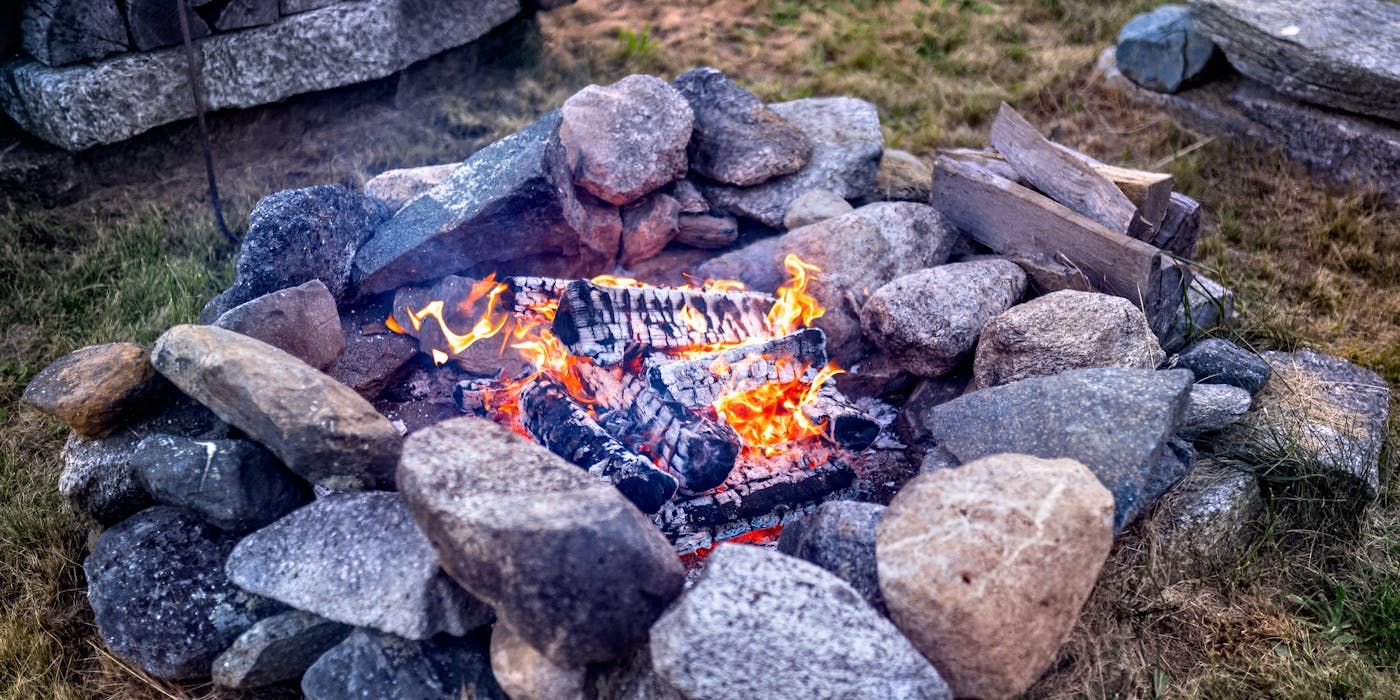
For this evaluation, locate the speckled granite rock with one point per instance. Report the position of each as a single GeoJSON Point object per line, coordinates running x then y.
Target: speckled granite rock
{"type": "Point", "coordinates": [1213, 407]}
{"type": "Point", "coordinates": [626, 139]}
{"type": "Point", "coordinates": [813, 206]}
{"type": "Point", "coordinates": [1207, 521]}
{"type": "Point", "coordinates": [276, 649]}
{"type": "Point", "coordinates": [372, 666]}
{"type": "Point", "coordinates": [1218, 361]}
{"type": "Point", "coordinates": [737, 139]}
{"type": "Point", "coordinates": [233, 485]}
{"type": "Point", "coordinates": [839, 536]}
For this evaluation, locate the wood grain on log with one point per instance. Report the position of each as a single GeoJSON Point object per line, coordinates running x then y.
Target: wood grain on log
{"type": "Point", "coordinates": [529, 294]}
{"type": "Point", "coordinates": [842, 422]}
{"type": "Point", "coordinates": [706, 230]}
{"type": "Point", "coordinates": [698, 381]}
{"type": "Point", "coordinates": [1181, 227]}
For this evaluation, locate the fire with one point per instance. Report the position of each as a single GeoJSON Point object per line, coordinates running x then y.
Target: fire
{"type": "Point", "coordinates": [694, 319]}
{"type": "Point", "coordinates": [770, 416]}
{"type": "Point", "coordinates": [489, 324]}
{"type": "Point", "coordinates": [796, 309]}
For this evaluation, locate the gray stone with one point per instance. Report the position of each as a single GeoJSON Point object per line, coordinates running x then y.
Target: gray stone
{"type": "Point", "coordinates": [846, 147]}
{"type": "Point", "coordinates": [241, 14]}
{"type": "Point", "coordinates": [296, 236]}
{"type": "Point", "coordinates": [76, 107]}
{"type": "Point", "coordinates": [357, 559]}
{"type": "Point", "coordinates": [1162, 50]}
{"type": "Point", "coordinates": [153, 25]}
{"type": "Point", "coordinates": [688, 196]}
{"type": "Point", "coordinates": [738, 140]}
{"type": "Point", "coordinates": [759, 624]}
{"type": "Point", "coordinates": [233, 485]}
{"type": "Point", "coordinates": [396, 188]}
{"type": "Point", "coordinates": [370, 666]}
{"type": "Point", "coordinates": [526, 674]}
{"type": "Point", "coordinates": [1062, 331]}
{"type": "Point", "coordinates": [928, 321]}
{"type": "Point", "coordinates": [1218, 361]}
{"type": "Point", "coordinates": [626, 139]}
{"type": "Point", "coordinates": [276, 649]}
{"type": "Point", "coordinates": [902, 177]}
{"type": "Point", "coordinates": [301, 320]}
{"type": "Point", "coordinates": [631, 678]}
{"type": "Point", "coordinates": [813, 206]}
{"type": "Point", "coordinates": [1207, 521]}
{"type": "Point", "coordinates": [97, 389]}
{"type": "Point", "coordinates": [374, 355]}
{"type": "Point", "coordinates": [563, 557]}
{"type": "Point", "coordinates": [291, 7]}
{"type": "Point", "coordinates": [648, 224]}
{"type": "Point", "coordinates": [930, 392]}
{"type": "Point", "coordinates": [839, 536]}
{"type": "Point", "coordinates": [1115, 421]}
{"type": "Point", "coordinates": [1213, 407]}
{"type": "Point", "coordinates": [321, 429]}
{"type": "Point", "coordinates": [1175, 463]}
{"type": "Point", "coordinates": [160, 597]}
{"type": "Point", "coordinates": [476, 221]}
{"type": "Point", "coordinates": [58, 32]}
{"type": "Point", "coordinates": [1344, 55]}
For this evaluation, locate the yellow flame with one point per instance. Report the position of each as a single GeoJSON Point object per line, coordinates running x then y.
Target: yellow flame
{"type": "Point", "coordinates": [693, 318]}
{"type": "Point", "coordinates": [795, 308]}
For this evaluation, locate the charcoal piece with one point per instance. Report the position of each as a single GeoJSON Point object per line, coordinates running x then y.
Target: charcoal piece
{"type": "Point", "coordinates": [843, 423]}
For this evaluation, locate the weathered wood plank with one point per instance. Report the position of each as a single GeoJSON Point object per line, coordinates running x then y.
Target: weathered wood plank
{"type": "Point", "coordinates": [1181, 227]}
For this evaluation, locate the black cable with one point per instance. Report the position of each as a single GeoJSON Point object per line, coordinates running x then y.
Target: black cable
{"type": "Point", "coordinates": [194, 71]}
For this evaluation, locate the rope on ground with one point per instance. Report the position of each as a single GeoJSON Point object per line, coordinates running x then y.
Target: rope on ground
{"type": "Point", "coordinates": [195, 81]}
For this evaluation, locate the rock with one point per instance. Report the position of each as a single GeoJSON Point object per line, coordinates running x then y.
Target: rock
{"type": "Point", "coordinates": [647, 226]}
{"type": "Point", "coordinates": [1207, 521]}
{"type": "Point", "coordinates": [1162, 50]}
{"type": "Point", "coordinates": [707, 231]}
{"type": "Point", "coordinates": [1116, 422]}
{"type": "Point", "coordinates": [291, 7]}
{"type": "Point", "coordinates": [737, 139]}
{"type": "Point", "coordinates": [160, 597]}
{"type": "Point", "coordinates": [76, 107]}
{"type": "Point", "coordinates": [930, 392]}
{"type": "Point", "coordinates": [846, 148]}
{"type": "Point", "coordinates": [1217, 361]}
{"type": "Point", "coordinates": [813, 206]}
{"type": "Point", "coordinates": [319, 428]}
{"type": "Point", "coordinates": [59, 32]}
{"type": "Point", "coordinates": [718, 641]}
{"type": "Point", "coordinates": [370, 666]}
{"type": "Point", "coordinates": [301, 320]}
{"type": "Point", "coordinates": [97, 389]}
{"type": "Point", "coordinates": [839, 536]}
{"type": "Point", "coordinates": [296, 236]}
{"type": "Point", "coordinates": [631, 678]}
{"type": "Point", "coordinates": [242, 14]}
{"type": "Point", "coordinates": [374, 355]}
{"type": "Point", "coordinates": [1213, 407]}
{"type": "Point", "coordinates": [688, 196]}
{"type": "Point", "coordinates": [626, 139]}
{"type": "Point", "coordinates": [1062, 331]}
{"type": "Point", "coordinates": [233, 485]}
{"type": "Point", "coordinates": [153, 26]}
{"type": "Point", "coordinates": [526, 674]}
{"type": "Point", "coordinates": [928, 321]}
{"type": "Point", "coordinates": [357, 559]}
{"type": "Point", "coordinates": [902, 177]}
{"type": "Point", "coordinates": [1174, 464]}
{"type": "Point", "coordinates": [1322, 414]}
{"type": "Point", "coordinates": [1208, 305]}
{"type": "Point", "coordinates": [563, 557]}
{"type": "Point", "coordinates": [473, 223]}
{"type": "Point", "coordinates": [986, 566]}
{"type": "Point", "coordinates": [396, 187]}
{"type": "Point", "coordinates": [1340, 55]}
{"type": "Point", "coordinates": [875, 376]}
{"type": "Point", "coordinates": [276, 649]}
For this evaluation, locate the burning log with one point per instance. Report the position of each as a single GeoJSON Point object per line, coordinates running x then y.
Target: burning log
{"type": "Point", "coordinates": [699, 451]}
{"type": "Point", "coordinates": [697, 382]}
{"type": "Point", "coordinates": [530, 294]}
{"type": "Point", "coordinates": [559, 423]}
{"type": "Point", "coordinates": [599, 322]}
{"type": "Point", "coordinates": [842, 422]}
{"type": "Point", "coordinates": [472, 396]}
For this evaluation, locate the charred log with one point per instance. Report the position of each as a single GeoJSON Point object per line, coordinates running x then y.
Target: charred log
{"type": "Point", "coordinates": [563, 426]}
{"type": "Point", "coordinates": [708, 230]}
{"type": "Point", "coordinates": [530, 294]}
{"type": "Point", "coordinates": [697, 382]}
{"type": "Point", "coordinates": [843, 423]}
{"type": "Point", "coordinates": [472, 396]}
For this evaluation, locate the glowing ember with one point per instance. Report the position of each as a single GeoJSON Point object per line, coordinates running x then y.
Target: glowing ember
{"type": "Point", "coordinates": [770, 416]}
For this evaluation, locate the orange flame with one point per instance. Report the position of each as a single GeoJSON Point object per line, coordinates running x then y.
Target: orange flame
{"type": "Point", "coordinates": [796, 309]}
{"type": "Point", "coordinates": [694, 319]}
{"type": "Point", "coordinates": [488, 324]}
{"type": "Point", "coordinates": [769, 417]}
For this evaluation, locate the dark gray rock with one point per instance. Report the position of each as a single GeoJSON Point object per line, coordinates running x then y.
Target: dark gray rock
{"type": "Point", "coordinates": [930, 392]}
{"type": "Point", "coordinates": [295, 236]}
{"type": "Point", "coordinates": [814, 206]}
{"type": "Point", "coordinates": [1344, 55]}
{"type": "Point", "coordinates": [59, 32]}
{"type": "Point", "coordinates": [1207, 521]}
{"type": "Point", "coordinates": [153, 25]}
{"type": "Point", "coordinates": [241, 14]}
{"type": "Point", "coordinates": [1115, 421]}
{"type": "Point", "coordinates": [233, 485]}
{"type": "Point", "coordinates": [1174, 464]}
{"type": "Point", "coordinates": [631, 678]}
{"type": "Point", "coordinates": [371, 666]}
{"type": "Point", "coordinates": [301, 320]}
{"type": "Point", "coordinates": [291, 7]}
{"type": "Point", "coordinates": [626, 139]}
{"type": "Point", "coordinates": [509, 208]}
{"type": "Point", "coordinates": [566, 561]}
{"type": "Point", "coordinates": [718, 640]}
{"type": "Point", "coordinates": [737, 139]}
{"type": "Point", "coordinates": [1162, 50]}
{"type": "Point", "coordinates": [839, 536]}
{"type": "Point", "coordinates": [648, 224]}
{"type": "Point", "coordinates": [160, 597]}
{"type": "Point", "coordinates": [357, 559]}
{"type": "Point", "coordinates": [846, 147]}
{"type": "Point", "coordinates": [1218, 361]}
{"type": "Point", "coordinates": [688, 196]}
{"type": "Point", "coordinates": [1213, 407]}
{"type": "Point", "coordinates": [276, 649]}
{"type": "Point", "coordinates": [374, 355]}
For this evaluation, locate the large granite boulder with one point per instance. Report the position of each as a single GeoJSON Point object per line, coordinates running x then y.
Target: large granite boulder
{"type": "Point", "coordinates": [718, 641]}
{"type": "Point", "coordinates": [160, 597]}
{"type": "Point", "coordinates": [295, 236]}
{"type": "Point", "coordinates": [357, 559]}
{"type": "Point", "coordinates": [96, 389]}
{"type": "Point", "coordinates": [233, 485]}
{"type": "Point", "coordinates": [277, 649]}
{"type": "Point", "coordinates": [563, 557]}
{"type": "Point", "coordinates": [846, 146]}
{"type": "Point", "coordinates": [1162, 50]}
{"type": "Point", "coordinates": [1117, 422]}
{"type": "Point", "coordinates": [626, 139]}
{"type": "Point", "coordinates": [302, 320]}
{"type": "Point", "coordinates": [737, 139]}
{"type": "Point", "coordinates": [59, 32]}
{"type": "Point", "coordinates": [839, 536]}
{"type": "Point", "coordinates": [318, 427]}
{"type": "Point", "coordinates": [986, 566]}
{"type": "Point", "coordinates": [370, 666]}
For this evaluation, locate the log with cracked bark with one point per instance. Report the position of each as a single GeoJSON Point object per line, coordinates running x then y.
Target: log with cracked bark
{"type": "Point", "coordinates": [530, 294]}
{"type": "Point", "coordinates": [843, 423]}
{"type": "Point", "coordinates": [698, 381]}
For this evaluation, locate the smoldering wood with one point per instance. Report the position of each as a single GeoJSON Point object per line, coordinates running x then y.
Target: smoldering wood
{"type": "Point", "coordinates": [1014, 220]}
{"type": "Point", "coordinates": [601, 322]}
{"type": "Point", "coordinates": [471, 395]}
{"type": "Point", "coordinates": [843, 423]}
{"type": "Point", "coordinates": [698, 450]}
{"type": "Point", "coordinates": [1181, 226]}
{"type": "Point", "coordinates": [707, 230]}
{"type": "Point", "coordinates": [562, 425]}
{"type": "Point", "coordinates": [698, 381]}
{"type": "Point", "coordinates": [529, 294]}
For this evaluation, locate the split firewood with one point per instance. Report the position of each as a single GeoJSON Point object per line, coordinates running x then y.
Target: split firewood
{"type": "Point", "coordinates": [698, 381]}
{"type": "Point", "coordinates": [600, 322]}
{"type": "Point", "coordinates": [843, 423]}
{"type": "Point", "coordinates": [529, 294]}
{"type": "Point", "coordinates": [562, 425]}
{"type": "Point", "coordinates": [472, 396]}
{"type": "Point", "coordinates": [708, 230]}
